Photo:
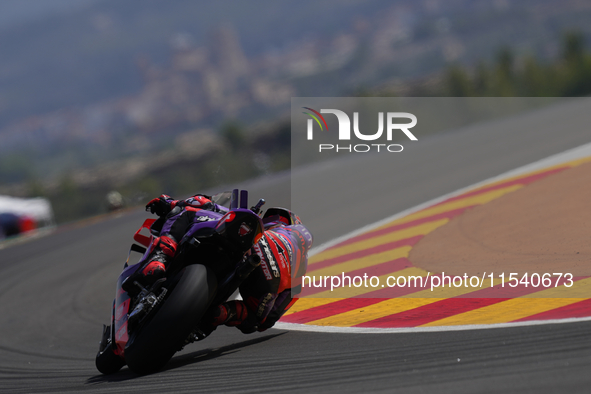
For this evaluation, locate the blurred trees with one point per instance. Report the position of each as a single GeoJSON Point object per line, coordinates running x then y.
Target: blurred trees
{"type": "Point", "coordinates": [14, 167]}
{"type": "Point", "coordinates": [241, 156]}
{"type": "Point", "coordinates": [570, 75]}
{"type": "Point", "coordinates": [233, 135]}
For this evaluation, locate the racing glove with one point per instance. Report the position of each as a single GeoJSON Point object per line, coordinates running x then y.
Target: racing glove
{"type": "Point", "coordinates": [162, 205]}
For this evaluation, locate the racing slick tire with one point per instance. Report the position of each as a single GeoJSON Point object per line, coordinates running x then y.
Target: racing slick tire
{"type": "Point", "coordinates": [108, 362]}
{"type": "Point", "coordinates": [148, 350]}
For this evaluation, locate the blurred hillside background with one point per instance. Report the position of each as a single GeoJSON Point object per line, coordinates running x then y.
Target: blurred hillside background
{"type": "Point", "coordinates": [148, 96]}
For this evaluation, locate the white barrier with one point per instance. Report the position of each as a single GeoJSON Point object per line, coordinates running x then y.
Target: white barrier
{"type": "Point", "coordinates": [37, 208]}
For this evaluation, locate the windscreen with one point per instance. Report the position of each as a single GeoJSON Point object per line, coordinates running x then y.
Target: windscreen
{"type": "Point", "coordinates": [223, 199]}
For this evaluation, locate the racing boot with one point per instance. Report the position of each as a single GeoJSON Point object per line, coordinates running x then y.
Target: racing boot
{"type": "Point", "coordinates": [155, 268]}
{"type": "Point", "coordinates": [230, 313]}
{"type": "Point", "coordinates": [235, 314]}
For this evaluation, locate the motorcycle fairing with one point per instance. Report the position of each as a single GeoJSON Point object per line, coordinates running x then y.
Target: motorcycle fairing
{"type": "Point", "coordinates": [121, 312]}
{"type": "Point", "coordinates": [143, 239]}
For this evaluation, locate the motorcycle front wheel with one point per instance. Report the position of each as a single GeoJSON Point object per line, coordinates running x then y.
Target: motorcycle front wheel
{"type": "Point", "coordinates": [108, 362]}
{"type": "Point", "coordinates": [149, 349]}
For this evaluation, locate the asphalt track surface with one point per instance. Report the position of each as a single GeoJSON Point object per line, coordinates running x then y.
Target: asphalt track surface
{"type": "Point", "coordinates": [56, 292]}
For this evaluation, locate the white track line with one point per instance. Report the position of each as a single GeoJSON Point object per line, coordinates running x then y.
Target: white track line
{"type": "Point", "coordinates": [402, 330]}
{"type": "Point", "coordinates": [559, 158]}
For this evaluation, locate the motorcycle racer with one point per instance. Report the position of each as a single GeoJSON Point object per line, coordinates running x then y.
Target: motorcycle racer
{"type": "Point", "coordinates": [267, 293]}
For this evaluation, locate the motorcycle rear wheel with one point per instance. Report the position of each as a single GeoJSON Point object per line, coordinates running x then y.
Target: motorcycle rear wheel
{"type": "Point", "coordinates": [148, 350]}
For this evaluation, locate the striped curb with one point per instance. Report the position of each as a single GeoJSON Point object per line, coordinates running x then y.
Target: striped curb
{"type": "Point", "coordinates": [382, 250]}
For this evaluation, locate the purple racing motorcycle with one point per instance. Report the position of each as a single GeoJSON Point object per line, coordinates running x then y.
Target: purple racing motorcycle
{"type": "Point", "coordinates": [150, 325]}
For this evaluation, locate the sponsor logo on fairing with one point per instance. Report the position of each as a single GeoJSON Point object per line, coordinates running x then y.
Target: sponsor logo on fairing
{"type": "Point", "coordinates": [230, 216]}
{"type": "Point", "coordinates": [203, 219]}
